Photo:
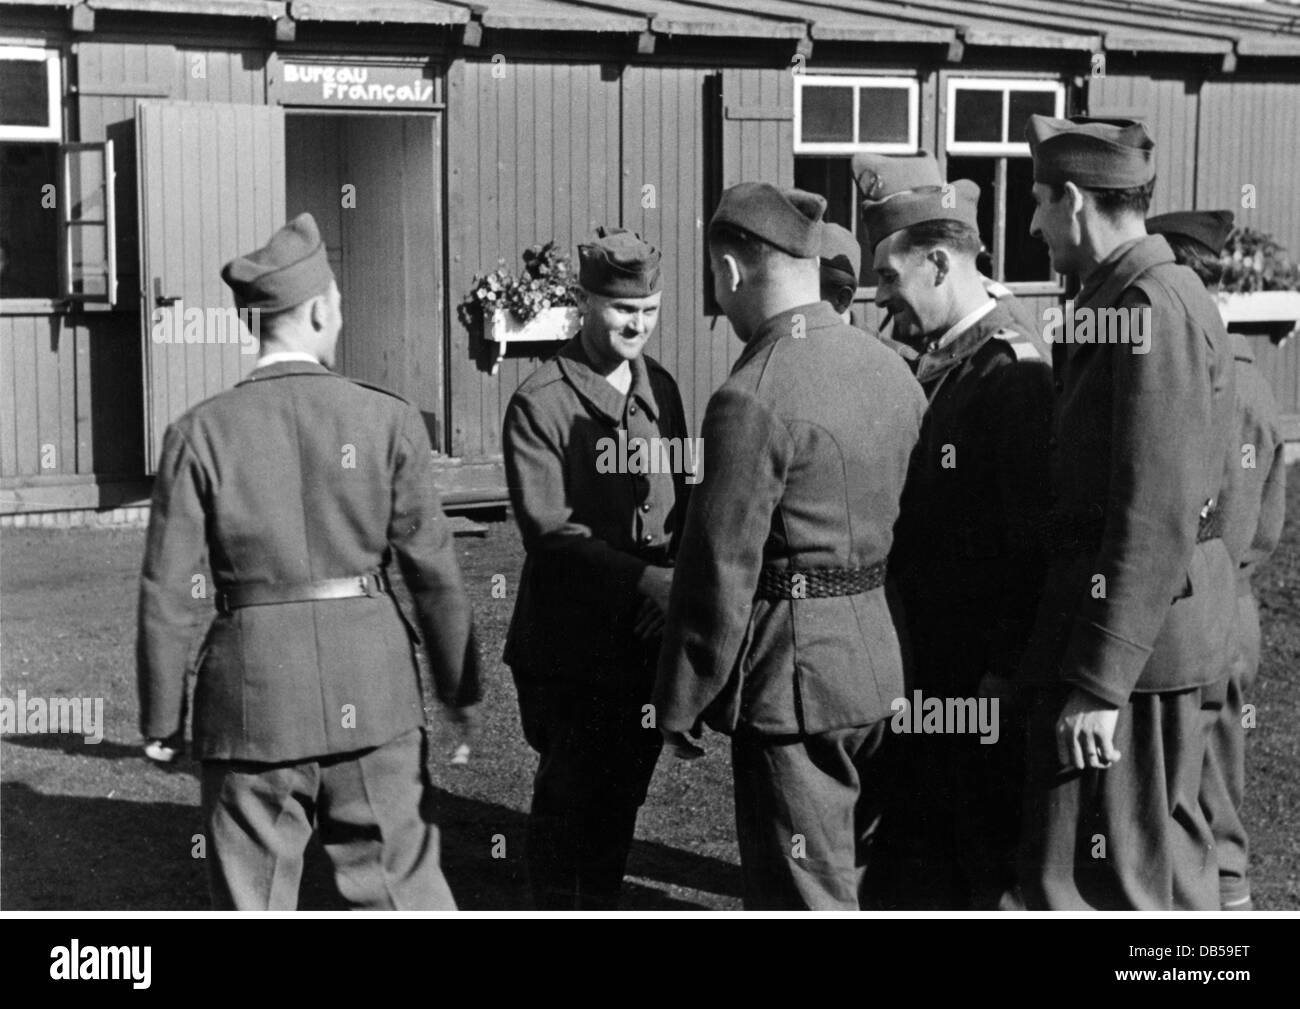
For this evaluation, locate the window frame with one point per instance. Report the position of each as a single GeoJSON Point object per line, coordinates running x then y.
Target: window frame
{"type": "Point", "coordinates": [1005, 148]}
{"type": "Point", "coordinates": [52, 59]}
{"type": "Point", "coordinates": [912, 85]}
{"type": "Point", "coordinates": [108, 223]}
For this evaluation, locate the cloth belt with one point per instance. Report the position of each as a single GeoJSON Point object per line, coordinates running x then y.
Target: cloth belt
{"type": "Point", "coordinates": [818, 583]}
{"type": "Point", "coordinates": [372, 584]}
{"type": "Point", "coordinates": [1082, 533]}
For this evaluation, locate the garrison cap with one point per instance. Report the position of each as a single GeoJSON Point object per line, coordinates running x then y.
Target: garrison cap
{"type": "Point", "coordinates": [841, 255]}
{"type": "Point", "coordinates": [1093, 153]}
{"type": "Point", "coordinates": [957, 201]}
{"type": "Point", "coordinates": [285, 272]}
{"type": "Point", "coordinates": [619, 264]}
{"type": "Point", "coordinates": [790, 219]}
{"type": "Point", "coordinates": [1207, 228]}
{"type": "Point", "coordinates": [881, 175]}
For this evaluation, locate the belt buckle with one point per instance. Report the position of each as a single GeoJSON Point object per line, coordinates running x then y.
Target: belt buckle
{"type": "Point", "coordinates": [371, 585]}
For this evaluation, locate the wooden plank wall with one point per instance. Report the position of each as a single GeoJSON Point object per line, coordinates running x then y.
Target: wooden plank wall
{"type": "Point", "coordinates": [532, 155]}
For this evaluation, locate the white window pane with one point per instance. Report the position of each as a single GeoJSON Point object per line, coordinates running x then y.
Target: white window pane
{"type": "Point", "coordinates": [827, 115]}
{"type": "Point", "coordinates": [883, 116]}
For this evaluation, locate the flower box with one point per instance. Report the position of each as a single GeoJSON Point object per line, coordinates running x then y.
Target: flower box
{"type": "Point", "coordinates": [1261, 306]}
{"type": "Point", "coordinates": [553, 325]}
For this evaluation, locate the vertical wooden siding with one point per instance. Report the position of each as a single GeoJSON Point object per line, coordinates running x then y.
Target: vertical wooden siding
{"type": "Point", "coordinates": [533, 155]}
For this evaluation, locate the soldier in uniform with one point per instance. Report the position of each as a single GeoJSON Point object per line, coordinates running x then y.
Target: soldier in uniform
{"type": "Point", "coordinates": [778, 630]}
{"type": "Point", "coordinates": [1140, 596]}
{"type": "Point", "coordinates": [841, 264]}
{"type": "Point", "coordinates": [304, 488]}
{"type": "Point", "coordinates": [598, 466]}
{"type": "Point", "coordinates": [965, 560]}
{"type": "Point", "coordinates": [1253, 502]}
{"type": "Point", "coordinates": [879, 176]}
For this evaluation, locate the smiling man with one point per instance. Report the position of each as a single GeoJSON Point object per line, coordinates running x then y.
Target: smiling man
{"type": "Point", "coordinates": [965, 559]}
{"type": "Point", "coordinates": [1140, 597]}
{"type": "Point", "coordinates": [600, 540]}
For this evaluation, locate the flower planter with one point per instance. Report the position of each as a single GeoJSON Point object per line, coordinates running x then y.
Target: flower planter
{"type": "Point", "coordinates": [1261, 307]}
{"type": "Point", "coordinates": [550, 325]}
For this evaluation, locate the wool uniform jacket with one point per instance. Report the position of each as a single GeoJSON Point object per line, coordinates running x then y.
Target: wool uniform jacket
{"type": "Point", "coordinates": [594, 510]}
{"type": "Point", "coordinates": [299, 475]}
{"type": "Point", "coordinates": [806, 447]}
{"type": "Point", "coordinates": [1138, 448]}
{"type": "Point", "coordinates": [977, 491]}
{"type": "Point", "coordinates": [1253, 500]}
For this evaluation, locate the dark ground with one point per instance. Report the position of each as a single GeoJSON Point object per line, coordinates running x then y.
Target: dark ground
{"type": "Point", "coordinates": [94, 827]}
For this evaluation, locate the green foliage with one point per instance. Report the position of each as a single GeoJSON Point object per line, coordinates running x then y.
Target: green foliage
{"type": "Point", "coordinates": [1254, 261]}
{"type": "Point", "coordinates": [545, 282]}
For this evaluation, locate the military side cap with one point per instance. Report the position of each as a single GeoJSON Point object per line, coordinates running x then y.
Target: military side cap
{"type": "Point", "coordinates": [881, 175]}
{"type": "Point", "coordinates": [841, 255]}
{"type": "Point", "coordinates": [790, 219]}
{"type": "Point", "coordinates": [1207, 228]}
{"type": "Point", "coordinates": [958, 201]}
{"type": "Point", "coordinates": [1094, 153]}
{"type": "Point", "coordinates": [619, 264]}
{"type": "Point", "coordinates": [285, 272]}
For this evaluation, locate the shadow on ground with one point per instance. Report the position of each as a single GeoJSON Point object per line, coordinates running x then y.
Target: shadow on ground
{"type": "Point", "coordinates": [115, 854]}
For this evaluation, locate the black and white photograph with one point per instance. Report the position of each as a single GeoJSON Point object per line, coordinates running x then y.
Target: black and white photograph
{"type": "Point", "coordinates": [639, 458]}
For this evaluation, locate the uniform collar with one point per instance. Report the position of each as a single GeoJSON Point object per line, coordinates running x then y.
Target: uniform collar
{"type": "Point", "coordinates": [285, 355]}
{"type": "Point", "coordinates": [283, 367]}
{"type": "Point", "coordinates": [1122, 267]}
{"type": "Point", "coordinates": [964, 339]}
{"type": "Point", "coordinates": [816, 315]}
{"type": "Point", "coordinates": [592, 386]}
{"type": "Point", "coordinates": [964, 323]}
{"type": "Point", "coordinates": [1241, 348]}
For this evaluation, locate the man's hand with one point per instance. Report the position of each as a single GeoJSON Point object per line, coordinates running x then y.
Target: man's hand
{"type": "Point", "coordinates": [681, 745]}
{"type": "Point", "coordinates": [1085, 732]}
{"type": "Point", "coordinates": [655, 584]}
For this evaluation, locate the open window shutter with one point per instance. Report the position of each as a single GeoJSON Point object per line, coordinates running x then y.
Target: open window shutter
{"type": "Point", "coordinates": [87, 239]}
{"type": "Point", "coordinates": [757, 126]}
{"type": "Point", "coordinates": [211, 187]}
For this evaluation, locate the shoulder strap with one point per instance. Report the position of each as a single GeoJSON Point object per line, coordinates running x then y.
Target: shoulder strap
{"type": "Point", "coordinates": [1020, 346]}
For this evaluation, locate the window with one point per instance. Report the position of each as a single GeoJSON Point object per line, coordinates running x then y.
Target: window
{"type": "Point", "coordinates": [56, 200]}
{"type": "Point", "coordinates": [985, 131]}
{"type": "Point", "coordinates": [836, 117]}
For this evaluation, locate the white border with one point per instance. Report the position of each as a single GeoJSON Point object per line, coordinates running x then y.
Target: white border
{"type": "Point", "coordinates": [1003, 84]}
{"type": "Point", "coordinates": [909, 84]}
{"type": "Point", "coordinates": [54, 78]}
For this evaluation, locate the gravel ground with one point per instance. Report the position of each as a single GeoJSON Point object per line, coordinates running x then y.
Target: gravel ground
{"type": "Point", "coordinates": [93, 826]}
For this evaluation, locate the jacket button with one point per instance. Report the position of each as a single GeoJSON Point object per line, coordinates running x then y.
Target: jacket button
{"type": "Point", "coordinates": [648, 538]}
{"type": "Point", "coordinates": [631, 408]}
{"type": "Point", "coordinates": [645, 507]}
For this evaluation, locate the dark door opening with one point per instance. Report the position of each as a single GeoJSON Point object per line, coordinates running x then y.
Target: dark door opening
{"type": "Point", "coordinates": [373, 184]}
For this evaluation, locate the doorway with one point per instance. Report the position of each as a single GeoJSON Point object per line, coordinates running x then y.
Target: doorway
{"type": "Point", "coordinates": [373, 183]}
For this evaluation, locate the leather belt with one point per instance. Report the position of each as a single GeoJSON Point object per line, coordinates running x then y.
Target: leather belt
{"type": "Point", "coordinates": [818, 583]}
{"type": "Point", "coordinates": [372, 584]}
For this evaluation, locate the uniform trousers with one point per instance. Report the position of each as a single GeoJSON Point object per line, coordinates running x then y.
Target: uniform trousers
{"type": "Point", "coordinates": [1131, 837]}
{"type": "Point", "coordinates": [807, 810]}
{"type": "Point", "coordinates": [1225, 763]}
{"type": "Point", "coordinates": [597, 752]}
{"type": "Point", "coordinates": [370, 807]}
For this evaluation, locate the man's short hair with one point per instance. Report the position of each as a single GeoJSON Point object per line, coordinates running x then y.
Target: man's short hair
{"type": "Point", "coordinates": [1115, 203]}
{"type": "Point", "coordinates": [1196, 257]}
{"type": "Point", "coordinates": [956, 236]}
{"type": "Point", "coordinates": [744, 245]}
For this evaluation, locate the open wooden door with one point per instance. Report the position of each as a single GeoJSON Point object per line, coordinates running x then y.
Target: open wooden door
{"type": "Point", "coordinates": [212, 185]}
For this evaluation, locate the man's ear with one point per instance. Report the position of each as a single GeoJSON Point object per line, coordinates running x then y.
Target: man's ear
{"type": "Point", "coordinates": [1075, 195]}
{"type": "Point", "coordinates": [843, 298]}
{"type": "Point", "coordinates": [318, 312]}
{"type": "Point", "coordinates": [731, 272]}
{"type": "Point", "coordinates": [939, 257]}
